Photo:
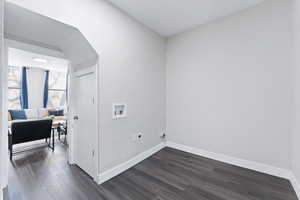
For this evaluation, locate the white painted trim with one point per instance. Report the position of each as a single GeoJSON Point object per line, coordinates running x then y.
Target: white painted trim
{"type": "Point", "coordinates": [97, 136]}
{"type": "Point", "coordinates": [2, 57]}
{"type": "Point", "coordinates": [105, 176]}
{"type": "Point", "coordinates": [264, 168]}
{"type": "Point", "coordinates": [295, 183]}
{"type": "Point", "coordinates": [4, 120]}
{"type": "Point", "coordinates": [74, 75]}
{"type": "Point", "coordinates": [260, 167]}
{"type": "Point", "coordinates": [1, 194]}
{"type": "Point", "coordinates": [70, 116]}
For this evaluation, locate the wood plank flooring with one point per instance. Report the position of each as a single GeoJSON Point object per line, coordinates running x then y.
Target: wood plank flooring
{"type": "Point", "coordinates": [168, 175]}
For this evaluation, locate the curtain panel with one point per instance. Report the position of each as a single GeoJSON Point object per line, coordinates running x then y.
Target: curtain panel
{"type": "Point", "coordinates": [46, 90]}
{"type": "Point", "coordinates": [23, 89]}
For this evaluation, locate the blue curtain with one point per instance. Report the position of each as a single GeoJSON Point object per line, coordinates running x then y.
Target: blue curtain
{"type": "Point", "coordinates": [46, 89]}
{"type": "Point", "coordinates": [24, 91]}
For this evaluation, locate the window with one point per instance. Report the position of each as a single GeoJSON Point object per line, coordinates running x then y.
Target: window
{"type": "Point", "coordinates": [57, 89]}
{"type": "Point", "coordinates": [14, 87]}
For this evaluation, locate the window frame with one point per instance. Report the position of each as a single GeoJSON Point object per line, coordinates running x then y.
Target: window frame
{"type": "Point", "coordinates": [13, 88]}
{"type": "Point", "coordinates": [49, 89]}
{"type": "Point", "coordinates": [57, 90]}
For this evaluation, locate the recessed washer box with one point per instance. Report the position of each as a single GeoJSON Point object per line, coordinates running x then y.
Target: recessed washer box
{"type": "Point", "coordinates": [119, 110]}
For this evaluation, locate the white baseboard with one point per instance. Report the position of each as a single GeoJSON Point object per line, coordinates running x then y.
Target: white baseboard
{"type": "Point", "coordinates": [1, 193]}
{"type": "Point", "coordinates": [295, 183]}
{"type": "Point", "coordinates": [260, 167]}
{"type": "Point", "coordinates": [268, 169]}
{"type": "Point", "coordinates": [105, 176]}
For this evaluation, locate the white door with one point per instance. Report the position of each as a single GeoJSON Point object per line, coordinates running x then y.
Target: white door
{"type": "Point", "coordinates": [85, 123]}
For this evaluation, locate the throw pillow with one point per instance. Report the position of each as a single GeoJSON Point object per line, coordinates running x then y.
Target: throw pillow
{"type": "Point", "coordinates": [56, 112]}
{"type": "Point", "coordinates": [18, 114]}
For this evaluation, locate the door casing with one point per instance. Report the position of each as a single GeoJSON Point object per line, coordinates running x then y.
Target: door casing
{"type": "Point", "coordinates": [72, 112]}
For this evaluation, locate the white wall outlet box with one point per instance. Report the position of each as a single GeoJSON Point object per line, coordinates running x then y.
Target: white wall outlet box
{"type": "Point", "coordinates": [119, 110]}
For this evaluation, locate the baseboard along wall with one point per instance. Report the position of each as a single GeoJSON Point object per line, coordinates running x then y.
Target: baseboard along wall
{"type": "Point", "coordinates": [1, 194]}
{"type": "Point", "coordinates": [267, 169]}
{"type": "Point", "coordinates": [260, 167]}
{"type": "Point", "coordinates": [105, 176]}
{"type": "Point", "coordinates": [252, 165]}
{"type": "Point", "coordinates": [295, 183]}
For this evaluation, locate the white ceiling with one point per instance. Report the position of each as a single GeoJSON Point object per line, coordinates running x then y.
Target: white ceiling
{"type": "Point", "coordinates": [20, 58]}
{"type": "Point", "coordinates": [25, 26]}
{"type": "Point", "coordinates": [169, 17]}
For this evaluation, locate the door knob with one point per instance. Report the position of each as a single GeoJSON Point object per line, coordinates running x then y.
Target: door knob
{"type": "Point", "coordinates": [76, 117]}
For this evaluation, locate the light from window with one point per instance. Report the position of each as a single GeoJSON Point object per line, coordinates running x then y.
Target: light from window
{"type": "Point", "coordinates": [13, 88]}
{"type": "Point", "coordinates": [57, 89]}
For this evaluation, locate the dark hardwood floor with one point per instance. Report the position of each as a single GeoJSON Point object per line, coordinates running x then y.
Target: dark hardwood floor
{"type": "Point", "coordinates": [168, 175]}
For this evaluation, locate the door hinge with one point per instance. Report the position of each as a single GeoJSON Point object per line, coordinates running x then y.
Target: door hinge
{"type": "Point", "coordinates": [93, 100]}
{"type": "Point", "coordinates": [93, 153]}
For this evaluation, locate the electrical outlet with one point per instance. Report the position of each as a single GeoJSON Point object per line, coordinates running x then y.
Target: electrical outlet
{"type": "Point", "coordinates": [137, 137]}
{"type": "Point", "coordinates": [163, 135]}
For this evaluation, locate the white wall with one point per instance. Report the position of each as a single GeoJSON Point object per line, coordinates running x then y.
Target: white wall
{"type": "Point", "coordinates": [2, 147]}
{"type": "Point", "coordinates": [132, 70]}
{"type": "Point", "coordinates": [229, 86]}
{"type": "Point", "coordinates": [296, 102]}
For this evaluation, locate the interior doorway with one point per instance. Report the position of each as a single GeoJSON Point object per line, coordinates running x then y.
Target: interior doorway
{"type": "Point", "coordinates": [37, 88]}
{"type": "Point", "coordinates": [85, 120]}
{"type": "Point", "coordinates": [40, 41]}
